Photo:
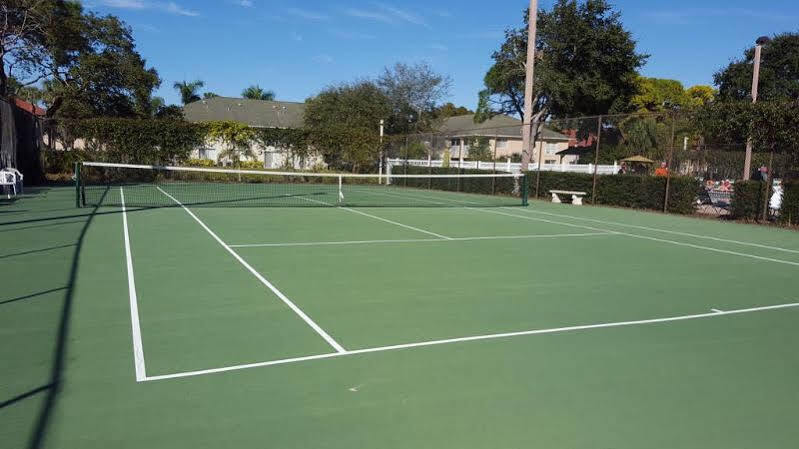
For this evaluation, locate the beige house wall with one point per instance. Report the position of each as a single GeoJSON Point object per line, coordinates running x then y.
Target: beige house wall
{"type": "Point", "coordinates": [510, 146]}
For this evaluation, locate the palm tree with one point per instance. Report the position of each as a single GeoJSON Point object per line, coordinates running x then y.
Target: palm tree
{"type": "Point", "coordinates": [255, 92]}
{"type": "Point", "coordinates": [188, 90]}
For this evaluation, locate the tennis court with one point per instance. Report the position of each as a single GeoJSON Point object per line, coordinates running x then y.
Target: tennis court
{"type": "Point", "coordinates": [402, 317]}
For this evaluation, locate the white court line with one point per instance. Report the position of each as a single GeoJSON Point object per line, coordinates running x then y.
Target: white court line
{"type": "Point", "coordinates": [687, 234]}
{"type": "Point", "coordinates": [263, 280]}
{"type": "Point", "coordinates": [138, 348]}
{"type": "Point", "coordinates": [472, 338]}
{"type": "Point", "coordinates": [381, 219]}
{"type": "Point", "coordinates": [638, 236]}
{"type": "Point", "coordinates": [452, 239]}
{"type": "Point", "coordinates": [654, 239]}
{"type": "Point", "coordinates": [716, 310]}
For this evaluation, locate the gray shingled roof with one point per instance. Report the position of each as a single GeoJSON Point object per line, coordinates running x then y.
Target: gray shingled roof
{"type": "Point", "coordinates": [255, 113]}
{"type": "Point", "coordinates": [499, 125]}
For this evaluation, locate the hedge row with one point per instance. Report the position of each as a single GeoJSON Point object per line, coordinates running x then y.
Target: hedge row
{"type": "Point", "coordinates": [789, 212]}
{"type": "Point", "coordinates": [639, 192]}
{"type": "Point", "coordinates": [747, 202]}
{"type": "Point", "coordinates": [505, 186]}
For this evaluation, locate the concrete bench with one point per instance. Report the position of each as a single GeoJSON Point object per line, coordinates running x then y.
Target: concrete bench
{"type": "Point", "coordinates": [577, 197]}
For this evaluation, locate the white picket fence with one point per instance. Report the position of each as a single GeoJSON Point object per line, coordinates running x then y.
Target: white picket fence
{"type": "Point", "coordinates": [507, 166]}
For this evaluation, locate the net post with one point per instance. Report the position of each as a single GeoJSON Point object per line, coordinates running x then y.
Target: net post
{"type": "Point", "coordinates": [77, 185]}
{"type": "Point", "coordinates": [340, 193]}
{"type": "Point", "coordinates": [525, 191]}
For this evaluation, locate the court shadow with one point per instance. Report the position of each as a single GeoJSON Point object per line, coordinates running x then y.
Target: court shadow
{"type": "Point", "coordinates": [52, 388]}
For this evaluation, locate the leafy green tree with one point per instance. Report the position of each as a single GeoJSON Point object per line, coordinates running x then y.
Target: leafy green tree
{"type": "Point", "coordinates": [208, 95]}
{"type": "Point", "coordinates": [447, 110]}
{"type": "Point", "coordinates": [779, 72]}
{"type": "Point", "coordinates": [87, 63]}
{"type": "Point", "coordinates": [236, 137]}
{"type": "Point", "coordinates": [586, 65]}
{"type": "Point", "coordinates": [700, 95]}
{"type": "Point", "coordinates": [413, 91]}
{"type": "Point", "coordinates": [480, 149]}
{"type": "Point", "coordinates": [342, 124]}
{"type": "Point", "coordinates": [170, 112]}
{"type": "Point", "coordinates": [255, 92]}
{"type": "Point", "coordinates": [31, 94]}
{"type": "Point", "coordinates": [189, 90]}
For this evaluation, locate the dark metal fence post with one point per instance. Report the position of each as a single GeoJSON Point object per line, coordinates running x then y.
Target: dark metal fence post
{"type": "Point", "coordinates": [77, 185]}
{"type": "Point", "coordinates": [596, 157]}
{"type": "Point", "coordinates": [533, 143]}
{"type": "Point", "coordinates": [769, 181]}
{"type": "Point", "coordinates": [669, 162]}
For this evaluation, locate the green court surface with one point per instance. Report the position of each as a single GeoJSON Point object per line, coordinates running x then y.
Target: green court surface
{"type": "Point", "coordinates": [547, 326]}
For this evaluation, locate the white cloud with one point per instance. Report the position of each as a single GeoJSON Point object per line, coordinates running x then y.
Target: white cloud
{"type": "Point", "coordinates": [369, 15]}
{"type": "Point", "coordinates": [245, 3]}
{"type": "Point", "coordinates": [174, 8]}
{"type": "Point", "coordinates": [125, 4]}
{"type": "Point", "coordinates": [307, 15]}
{"type": "Point", "coordinates": [170, 7]}
{"type": "Point", "coordinates": [386, 13]}
{"type": "Point", "coordinates": [403, 15]}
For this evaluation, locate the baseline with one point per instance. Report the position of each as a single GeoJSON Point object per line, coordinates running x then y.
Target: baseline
{"type": "Point", "coordinates": [452, 239]}
{"type": "Point", "coordinates": [474, 338]}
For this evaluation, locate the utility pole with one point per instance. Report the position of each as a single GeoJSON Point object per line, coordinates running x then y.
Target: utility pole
{"type": "Point", "coordinates": [528, 85]}
{"type": "Point", "coordinates": [755, 81]}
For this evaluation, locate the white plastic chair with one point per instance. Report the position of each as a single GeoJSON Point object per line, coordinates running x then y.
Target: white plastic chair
{"type": "Point", "coordinates": [8, 181]}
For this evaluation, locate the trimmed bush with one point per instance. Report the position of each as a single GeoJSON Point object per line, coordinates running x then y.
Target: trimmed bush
{"type": "Point", "coordinates": [789, 212]}
{"type": "Point", "coordinates": [747, 200]}
{"type": "Point", "coordinates": [637, 192]}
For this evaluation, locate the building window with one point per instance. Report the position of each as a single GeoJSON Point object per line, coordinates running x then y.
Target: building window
{"type": "Point", "coordinates": [203, 153]}
{"type": "Point", "coordinates": [502, 144]}
{"type": "Point", "coordinates": [454, 142]}
{"type": "Point", "coordinates": [550, 161]}
{"type": "Point", "coordinates": [551, 148]}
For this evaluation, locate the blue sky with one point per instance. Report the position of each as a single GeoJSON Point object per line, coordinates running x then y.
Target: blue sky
{"type": "Point", "coordinates": [298, 48]}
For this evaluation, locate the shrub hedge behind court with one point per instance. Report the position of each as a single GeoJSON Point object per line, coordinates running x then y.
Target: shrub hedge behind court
{"type": "Point", "coordinates": [638, 192]}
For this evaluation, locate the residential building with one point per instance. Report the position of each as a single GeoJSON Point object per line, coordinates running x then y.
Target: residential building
{"type": "Point", "coordinates": [256, 114]}
{"type": "Point", "coordinates": [504, 134]}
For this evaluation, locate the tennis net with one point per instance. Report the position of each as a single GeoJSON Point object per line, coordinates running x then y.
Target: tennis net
{"type": "Point", "coordinates": [107, 184]}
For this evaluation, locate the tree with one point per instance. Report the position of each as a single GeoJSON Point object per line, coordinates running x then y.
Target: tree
{"type": "Point", "coordinates": [412, 90]}
{"type": "Point", "coordinates": [236, 137]}
{"type": "Point", "coordinates": [586, 65]}
{"type": "Point", "coordinates": [189, 90]}
{"type": "Point", "coordinates": [87, 63]}
{"type": "Point", "coordinates": [31, 94]}
{"type": "Point", "coordinates": [171, 112]}
{"type": "Point", "coordinates": [255, 92]}
{"type": "Point", "coordinates": [447, 110]}
{"type": "Point", "coordinates": [700, 95]}
{"type": "Point", "coordinates": [342, 124]}
{"type": "Point", "coordinates": [208, 95]}
{"type": "Point", "coordinates": [779, 72]}
{"type": "Point", "coordinates": [480, 149]}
